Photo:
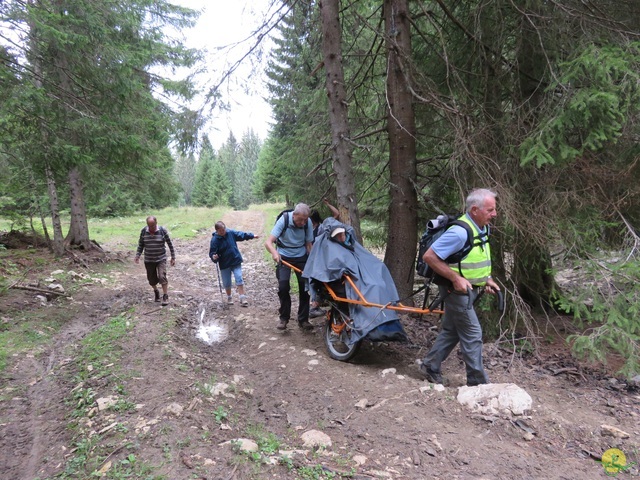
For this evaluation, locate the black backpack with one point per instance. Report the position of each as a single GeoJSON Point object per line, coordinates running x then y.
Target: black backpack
{"type": "Point", "coordinates": [435, 228]}
{"type": "Point", "coordinates": [286, 225]}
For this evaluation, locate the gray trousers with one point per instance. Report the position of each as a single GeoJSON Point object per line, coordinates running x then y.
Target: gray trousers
{"type": "Point", "coordinates": [459, 324]}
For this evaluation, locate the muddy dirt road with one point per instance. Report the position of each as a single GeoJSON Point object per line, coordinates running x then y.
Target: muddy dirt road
{"type": "Point", "coordinates": [162, 403]}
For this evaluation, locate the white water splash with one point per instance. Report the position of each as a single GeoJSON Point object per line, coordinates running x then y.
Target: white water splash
{"type": "Point", "coordinates": [210, 332]}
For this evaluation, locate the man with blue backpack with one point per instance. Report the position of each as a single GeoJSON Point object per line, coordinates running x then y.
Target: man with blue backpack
{"type": "Point", "coordinates": [290, 240]}
{"type": "Point", "coordinates": [460, 281]}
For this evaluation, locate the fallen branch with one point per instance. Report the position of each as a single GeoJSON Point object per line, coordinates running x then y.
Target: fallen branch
{"type": "Point", "coordinates": [97, 246]}
{"type": "Point", "coordinates": [232, 474]}
{"type": "Point", "coordinates": [153, 311]}
{"type": "Point", "coordinates": [113, 453]}
{"type": "Point", "coordinates": [571, 370]}
{"type": "Point", "coordinates": [41, 290]}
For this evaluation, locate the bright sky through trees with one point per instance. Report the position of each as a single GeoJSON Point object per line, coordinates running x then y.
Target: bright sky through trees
{"type": "Point", "coordinates": [224, 30]}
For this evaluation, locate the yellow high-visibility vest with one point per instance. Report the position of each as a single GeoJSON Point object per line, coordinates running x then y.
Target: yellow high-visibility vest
{"type": "Point", "coordinates": [476, 266]}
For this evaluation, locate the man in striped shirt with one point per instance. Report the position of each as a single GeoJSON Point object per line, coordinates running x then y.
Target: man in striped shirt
{"type": "Point", "coordinates": [152, 240]}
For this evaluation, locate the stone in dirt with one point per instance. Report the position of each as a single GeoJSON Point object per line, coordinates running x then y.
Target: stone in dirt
{"type": "Point", "coordinates": [609, 431]}
{"type": "Point", "coordinates": [493, 398]}
{"type": "Point", "coordinates": [174, 409]}
{"type": "Point", "coordinates": [244, 444]}
{"type": "Point", "coordinates": [316, 438]}
{"type": "Point", "coordinates": [106, 402]}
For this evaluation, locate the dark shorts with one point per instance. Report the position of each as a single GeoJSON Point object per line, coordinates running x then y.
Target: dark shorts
{"type": "Point", "coordinates": [156, 273]}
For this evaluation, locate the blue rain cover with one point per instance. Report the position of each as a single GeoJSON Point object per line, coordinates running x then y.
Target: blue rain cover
{"type": "Point", "coordinates": [329, 260]}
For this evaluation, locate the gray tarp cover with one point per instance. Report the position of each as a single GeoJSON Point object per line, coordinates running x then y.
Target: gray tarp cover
{"type": "Point", "coordinates": [327, 262]}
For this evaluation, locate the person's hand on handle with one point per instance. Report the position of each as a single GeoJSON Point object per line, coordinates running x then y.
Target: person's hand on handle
{"type": "Point", "coordinates": [461, 284]}
{"type": "Point", "coordinates": [492, 287]}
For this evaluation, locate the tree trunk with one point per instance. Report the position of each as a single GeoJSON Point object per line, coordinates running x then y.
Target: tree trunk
{"type": "Point", "coordinates": [45, 230]}
{"type": "Point", "coordinates": [79, 229]}
{"type": "Point", "coordinates": [532, 260]}
{"type": "Point", "coordinates": [58, 237]}
{"type": "Point", "coordinates": [532, 274]}
{"type": "Point", "coordinates": [338, 115]}
{"type": "Point", "coordinates": [403, 209]}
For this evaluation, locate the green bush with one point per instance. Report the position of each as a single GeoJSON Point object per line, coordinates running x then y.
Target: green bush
{"type": "Point", "coordinates": [607, 306]}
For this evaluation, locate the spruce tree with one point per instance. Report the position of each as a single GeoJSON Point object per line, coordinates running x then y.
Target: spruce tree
{"type": "Point", "coordinates": [89, 92]}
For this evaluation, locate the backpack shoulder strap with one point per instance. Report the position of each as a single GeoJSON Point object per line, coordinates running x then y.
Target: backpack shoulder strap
{"type": "Point", "coordinates": [468, 229]}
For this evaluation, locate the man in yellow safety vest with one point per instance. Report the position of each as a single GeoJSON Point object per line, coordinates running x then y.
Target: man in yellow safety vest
{"type": "Point", "coordinates": [461, 285]}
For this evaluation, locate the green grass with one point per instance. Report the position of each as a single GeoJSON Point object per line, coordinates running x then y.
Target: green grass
{"type": "Point", "coordinates": [182, 222]}
{"type": "Point", "coordinates": [25, 331]}
{"type": "Point", "coordinates": [102, 347]}
{"type": "Point", "coordinates": [271, 211]}
{"type": "Point", "coordinates": [187, 222]}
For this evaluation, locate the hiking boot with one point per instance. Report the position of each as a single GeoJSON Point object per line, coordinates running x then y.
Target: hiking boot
{"type": "Point", "coordinates": [316, 312]}
{"type": "Point", "coordinates": [165, 300]}
{"type": "Point", "coordinates": [282, 325]}
{"type": "Point", "coordinates": [474, 383]}
{"type": "Point", "coordinates": [229, 300]}
{"type": "Point", "coordinates": [244, 302]}
{"type": "Point", "coordinates": [430, 375]}
{"type": "Point", "coordinates": [156, 293]}
{"type": "Point", "coordinates": [305, 325]}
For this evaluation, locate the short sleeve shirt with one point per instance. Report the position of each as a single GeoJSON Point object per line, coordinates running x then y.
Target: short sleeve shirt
{"type": "Point", "coordinates": [452, 241]}
{"type": "Point", "coordinates": [294, 238]}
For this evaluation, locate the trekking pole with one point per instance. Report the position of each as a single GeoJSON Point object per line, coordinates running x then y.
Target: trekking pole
{"type": "Point", "coordinates": [224, 304]}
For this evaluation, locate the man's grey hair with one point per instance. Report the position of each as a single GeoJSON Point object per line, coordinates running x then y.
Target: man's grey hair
{"type": "Point", "coordinates": [302, 209]}
{"type": "Point", "coordinates": [477, 197]}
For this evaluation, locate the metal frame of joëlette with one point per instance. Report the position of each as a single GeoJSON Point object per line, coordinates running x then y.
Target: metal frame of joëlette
{"type": "Point", "coordinates": [363, 301]}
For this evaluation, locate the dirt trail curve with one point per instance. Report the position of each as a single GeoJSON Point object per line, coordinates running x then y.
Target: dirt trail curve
{"type": "Point", "coordinates": [381, 424]}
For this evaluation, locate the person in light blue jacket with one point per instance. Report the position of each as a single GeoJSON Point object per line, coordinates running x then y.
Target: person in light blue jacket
{"type": "Point", "coordinates": [290, 240]}
{"type": "Point", "coordinates": [224, 251]}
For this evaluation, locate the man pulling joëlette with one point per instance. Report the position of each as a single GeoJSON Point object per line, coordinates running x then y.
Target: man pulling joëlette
{"type": "Point", "coordinates": [461, 281]}
{"type": "Point", "coordinates": [293, 245]}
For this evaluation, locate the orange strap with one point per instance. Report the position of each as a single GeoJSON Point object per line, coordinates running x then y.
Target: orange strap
{"type": "Point", "coordinates": [363, 301]}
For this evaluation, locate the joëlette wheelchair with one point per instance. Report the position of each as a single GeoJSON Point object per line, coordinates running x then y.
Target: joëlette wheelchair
{"type": "Point", "coordinates": [339, 326]}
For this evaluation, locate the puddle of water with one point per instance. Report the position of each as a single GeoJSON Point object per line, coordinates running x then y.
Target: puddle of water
{"type": "Point", "coordinates": [210, 332]}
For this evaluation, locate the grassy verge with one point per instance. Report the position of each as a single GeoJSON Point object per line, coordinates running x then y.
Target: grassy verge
{"type": "Point", "coordinates": [271, 211]}
{"type": "Point", "coordinates": [182, 222]}
{"type": "Point", "coordinates": [27, 331]}
{"type": "Point", "coordinates": [29, 328]}
{"type": "Point", "coordinates": [186, 222]}
{"type": "Point", "coordinates": [97, 360]}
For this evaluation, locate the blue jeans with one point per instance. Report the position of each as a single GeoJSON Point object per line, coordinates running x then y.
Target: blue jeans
{"type": "Point", "coordinates": [459, 324]}
{"type": "Point", "coordinates": [225, 273]}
